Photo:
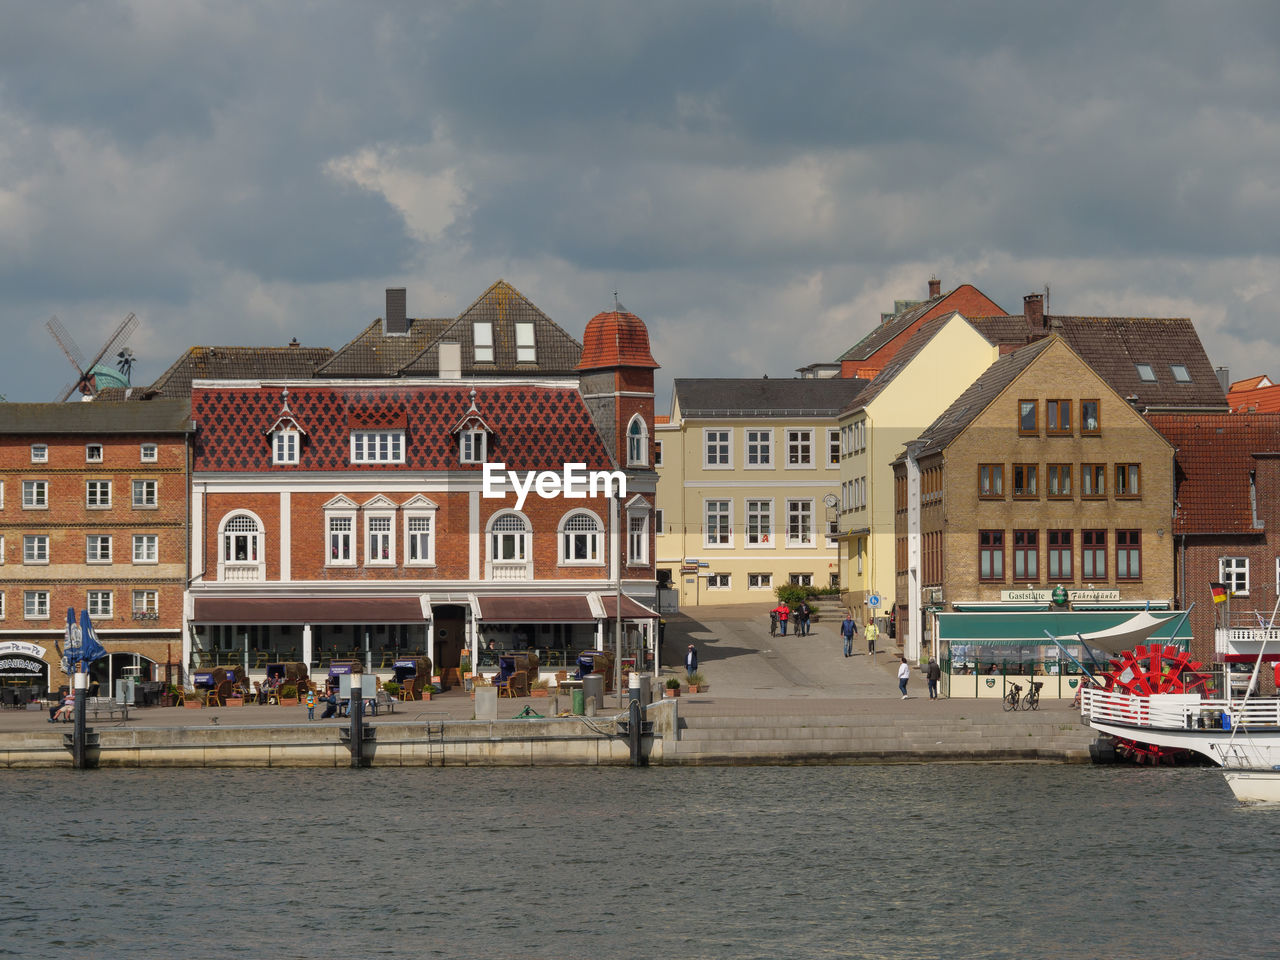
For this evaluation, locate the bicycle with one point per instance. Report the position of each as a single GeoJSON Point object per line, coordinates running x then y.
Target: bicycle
{"type": "Point", "coordinates": [1032, 700]}
{"type": "Point", "coordinates": [1013, 698]}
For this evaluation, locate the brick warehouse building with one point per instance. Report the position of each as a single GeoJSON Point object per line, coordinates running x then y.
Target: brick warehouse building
{"type": "Point", "coordinates": [348, 518]}
{"type": "Point", "coordinates": [93, 513]}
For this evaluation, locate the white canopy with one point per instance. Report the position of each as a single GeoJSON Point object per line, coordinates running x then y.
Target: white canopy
{"type": "Point", "coordinates": [1124, 636]}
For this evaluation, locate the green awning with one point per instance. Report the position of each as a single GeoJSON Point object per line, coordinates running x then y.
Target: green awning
{"type": "Point", "coordinates": [1001, 607]}
{"type": "Point", "coordinates": [1028, 629]}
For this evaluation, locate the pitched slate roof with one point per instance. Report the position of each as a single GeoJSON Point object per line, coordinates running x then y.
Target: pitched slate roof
{"type": "Point", "coordinates": [1214, 454]}
{"type": "Point", "coordinates": [95, 417]}
{"type": "Point", "coordinates": [764, 397]}
{"type": "Point", "coordinates": [375, 354]}
{"type": "Point", "coordinates": [534, 427]}
{"type": "Point", "coordinates": [1113, 346]}
{"type": "Point", "coordinates": [227, 363]}
{"type": "Point", "coordinates": [978, 397]}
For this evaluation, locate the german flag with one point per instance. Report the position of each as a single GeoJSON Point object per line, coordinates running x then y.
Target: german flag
{"type": "Point", "coordinates": [1219, 592]}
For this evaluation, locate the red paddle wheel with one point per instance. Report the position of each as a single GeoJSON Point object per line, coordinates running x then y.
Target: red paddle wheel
{"type": "Point", "coordinates": [1148, 669]}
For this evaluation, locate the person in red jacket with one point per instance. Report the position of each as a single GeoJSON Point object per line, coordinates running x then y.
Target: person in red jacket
{"type": "Point", "coordinates": [784, 613]}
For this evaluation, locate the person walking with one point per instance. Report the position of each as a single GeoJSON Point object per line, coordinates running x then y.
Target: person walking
{"type": "Point", "coordinates": [904, 674]}
{"type": "Point", "coordinates": [847, 629]}
{"type": "Point", "coordinates": [872, 632]}
{"type": "Point", "coordinates": [784, 614]}
{"type": "Point", "coordinates": [802, 619]}
{"type": "Point", "coordinates": [933, 673]}
{"type": "Point", "coordinates": [691, 660]}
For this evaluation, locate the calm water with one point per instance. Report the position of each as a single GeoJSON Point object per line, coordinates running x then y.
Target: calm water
{"type": "Point", "coordinates": [900, 861]}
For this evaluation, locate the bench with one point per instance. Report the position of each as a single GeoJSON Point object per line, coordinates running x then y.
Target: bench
{"type": "Point", "coordinates": [384, 701]}
{"type": "Point", "coordinates": [98, 707]}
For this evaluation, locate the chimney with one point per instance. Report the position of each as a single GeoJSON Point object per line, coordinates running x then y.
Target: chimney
{"type": "Point", "coordinates": [1033, 310]}
{"type": "Point", "coordinates": [935, 287]}
{"type": "Point", "coordinates": [395, 320]}
{"type": "Point", "coordinates": [1224, 378]}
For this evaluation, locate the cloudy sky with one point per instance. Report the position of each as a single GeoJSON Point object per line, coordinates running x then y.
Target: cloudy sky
{"type": "Point", "coordinates": [758, 181]}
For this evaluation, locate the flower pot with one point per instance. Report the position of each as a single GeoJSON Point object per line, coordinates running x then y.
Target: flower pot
{"type": "Point", "coordinates": [234, 702]}
{"type": "Point", "coordinates": [693, 688]}
{"type": "Point", "coordinates": [539, 692]}
{"type": "Point", "coordinates": [192, 704]}
{"type": "Point", "coordinates": [288, 701]}
{"type": "Point", "coordinates": [671, 692]}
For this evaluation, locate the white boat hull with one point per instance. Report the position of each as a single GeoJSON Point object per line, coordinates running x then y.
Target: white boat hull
{"type": "Point", "coordinates": [1254, 786]}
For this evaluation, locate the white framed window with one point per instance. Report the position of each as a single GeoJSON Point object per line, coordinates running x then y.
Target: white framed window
{"type": "Point", "coordinates": [35, 548]}
{"type": "Point", "coordinates": [35, 494]}
{"type": "Point", "coordinates": [580, 534]}
{"type": "Point", "coordinates": [100, 604]}
{"type": "Point", "coordinates": [799, 523]}
{"type": "Point", "coordinates": [759, 452]}
{"type": "Point", "coordinates": [146, 604]}
{"type": "Point", "coordinates": [379, 540]}
{"type": "Point", "coordinates": [240, 548]}
{"type": "Point", "coordinates": [286, 447]}
{"type": "Point", "coordinates": [802, 579]}
{"type": "Point", "coordinates": [800, 447]}
{"type": "Point", "coordinates": [833, 446]}
{"type": "Point", "coordinates": [35, 604]}
{"type": "Point", "coordinates": [510, 556]}
{"type": "Point", "coordinates": [717, 581]}
{"type": "Point", "coordinates": [340, 552]}
{"type": "Point", "coordinates": [377, 446]}
{"type": "Point", "coordinates": [97, 548]}
{"type": "Point", "coordinates": [39, 453]}
{"type": "Point", "coordinates": [149, 453]}
{"type": "Point", "coordinates": [1, 494]}
{"type": "Point", "coordinates": [859, 436]}
{"type": "Point", "coordinates": [421, 549]}
{"type": "Point", "coordinates": [472, 445]}
{"type": "Point", "coordinates": [97, 494]}
{"type": "Point", "coordinates": [718, 524]}
{"type": "Point", "coordinates": [526, 348]}
{"type": "Point", "coordinates": [638, 539]}
{"type": "Point", "coordinates": [759, 581]}
{"type": "Point", "coordinates": [2, 552]}
{"type": "Point", "coordinates": [637, 442]}
{"type": "Point", "coordinates": [93, 453]}
{"type": "Point", "coordinates": [1, 604]}
{"type": "Point", "coordinates": [657, 460]}
{"type": "Point", "coordinates": [759, 523]}
{"type": "Point", "coordinates": [716, 449]}
{"type": "Point", "coordinates": [144, 494]}
{"type": "Point", "coordinates": [482, 335]}
{"type": "Point", "coordinates": [146, 548]}
{"type": "Point", "coordinates": [1234, 574]}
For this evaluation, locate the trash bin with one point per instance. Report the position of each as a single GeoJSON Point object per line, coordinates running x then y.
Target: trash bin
{"type": "Point", "coordinates": [579, 702]}
{"type": "Point", "coordinates": [593, 689]}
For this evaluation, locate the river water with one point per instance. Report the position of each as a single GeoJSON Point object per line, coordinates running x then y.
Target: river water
{"type": "Point", "coordinates": [771, 862]}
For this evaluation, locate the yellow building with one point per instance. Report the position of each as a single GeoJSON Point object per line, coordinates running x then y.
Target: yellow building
{"type": "Point", "coordinates": [749, 486]}
{"type": "Point", "coordinates": [934, 367]}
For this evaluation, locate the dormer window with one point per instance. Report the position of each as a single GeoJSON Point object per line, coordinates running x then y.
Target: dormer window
{"type": "Point", "coordinates": [526, 349]}
{"type": "Point", "coordinates": [637, 443]}
{"type": "Point", "coordinates": [377, 446]}
{"type": "Point", "coordinates": [286, 435]}
{"type": "Point", "coordinates": [472, 445]}
{"type": "Point", "coordinates": [93, 453]}
{"type": "Point", "coordinates": [39, 453]}
{"type": "Point", "coordinates": [482, 334]}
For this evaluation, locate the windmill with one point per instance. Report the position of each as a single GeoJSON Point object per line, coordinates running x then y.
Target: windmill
{"type": "Point", "coordinates": [89, 375]}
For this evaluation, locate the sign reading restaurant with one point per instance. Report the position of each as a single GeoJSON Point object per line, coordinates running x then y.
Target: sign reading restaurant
{"type": "Point", "coordinates": [1046, 596]}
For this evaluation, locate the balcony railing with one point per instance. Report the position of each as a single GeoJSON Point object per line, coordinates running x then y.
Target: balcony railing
{"type": "Point", "coordinates": [509, 571]}
{"type": "Point", "coordinates": [240, 572]}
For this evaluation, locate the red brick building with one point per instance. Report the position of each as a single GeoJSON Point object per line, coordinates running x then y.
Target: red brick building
{"type": "Point", "coordinates": [364, 515]}
{"type": "Point", "coordinates": [93, 512]}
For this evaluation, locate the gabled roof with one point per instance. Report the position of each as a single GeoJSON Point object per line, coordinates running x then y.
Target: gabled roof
{"type": "Point", "coordinates": [763, 397]}
{"type": "Point", "coordinates": [952, 421]}
{"type": "Point", "coordinates": [1214, 454]}
{"type": "Point", "coordinates": [918, 341]}
{"type": "Point", "coordinates": [95, 417]}
{"type": "Point", "coordinates": [964, 299]}
{"type": "Point", "coordinates": [1255, 395]}
{"type": "Point", "coordinates": [1113, 346]}
{"type": "Point", "coordinates": [1251, 383]}
{"type": "Point", "coordinates": [504, 306]}
{"type": "Point", "coordinates": [534, 427]}
{"type": "Point", "coordinates": [293, 362]}
{"type": "Point", "coordinates": [377, 354]}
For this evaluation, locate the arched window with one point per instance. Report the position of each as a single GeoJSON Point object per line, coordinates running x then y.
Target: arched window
{"type": "Point", "coordinates": [580, 538]}
{"type": "Point", "coordinates": [240, 553]}
{"type": "Point", "coordinates": [510, 556]}
{"type": "Point", "coordinates": [637, 443]}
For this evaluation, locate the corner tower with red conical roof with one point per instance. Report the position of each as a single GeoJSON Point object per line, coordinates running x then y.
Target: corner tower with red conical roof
{"type": "Point", "coordinates": [616, 376]}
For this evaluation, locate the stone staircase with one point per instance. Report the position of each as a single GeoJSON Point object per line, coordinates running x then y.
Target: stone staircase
{"type": "Point", "coordinates": [874, 739]}
{"type": "Point", "coordinates": [827, 610]}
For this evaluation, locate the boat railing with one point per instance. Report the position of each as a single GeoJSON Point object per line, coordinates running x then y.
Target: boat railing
{"type": "Point", "coordinates": [1176, 711]}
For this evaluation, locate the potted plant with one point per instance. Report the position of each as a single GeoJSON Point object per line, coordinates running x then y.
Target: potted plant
{"type": "Point", "coordinates": [695, 682]}
{"type": "Point", "coordinates": [540, 688]}
{"type": "Point", "coordinates": [170, 695]}
{"type": "Point", "coordinates": [393, 689]}
{"type": "Point", "coordinates": [673, 687]}
{"type": "Point", "coordinates": [289, 695]}
{"type": "Point", "coordinates": [236, 699]}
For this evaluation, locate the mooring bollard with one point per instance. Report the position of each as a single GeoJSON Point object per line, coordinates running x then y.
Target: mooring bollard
{"type": "Point", "coordinates": [633, 719]}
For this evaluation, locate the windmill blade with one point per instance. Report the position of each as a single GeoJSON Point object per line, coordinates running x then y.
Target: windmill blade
{"type": "Point", "coordinates": [121, 334]}
{"type": "Point", "coordinates": [67, 391]}
{"type": "Point", "coordinates": [59, 333]}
